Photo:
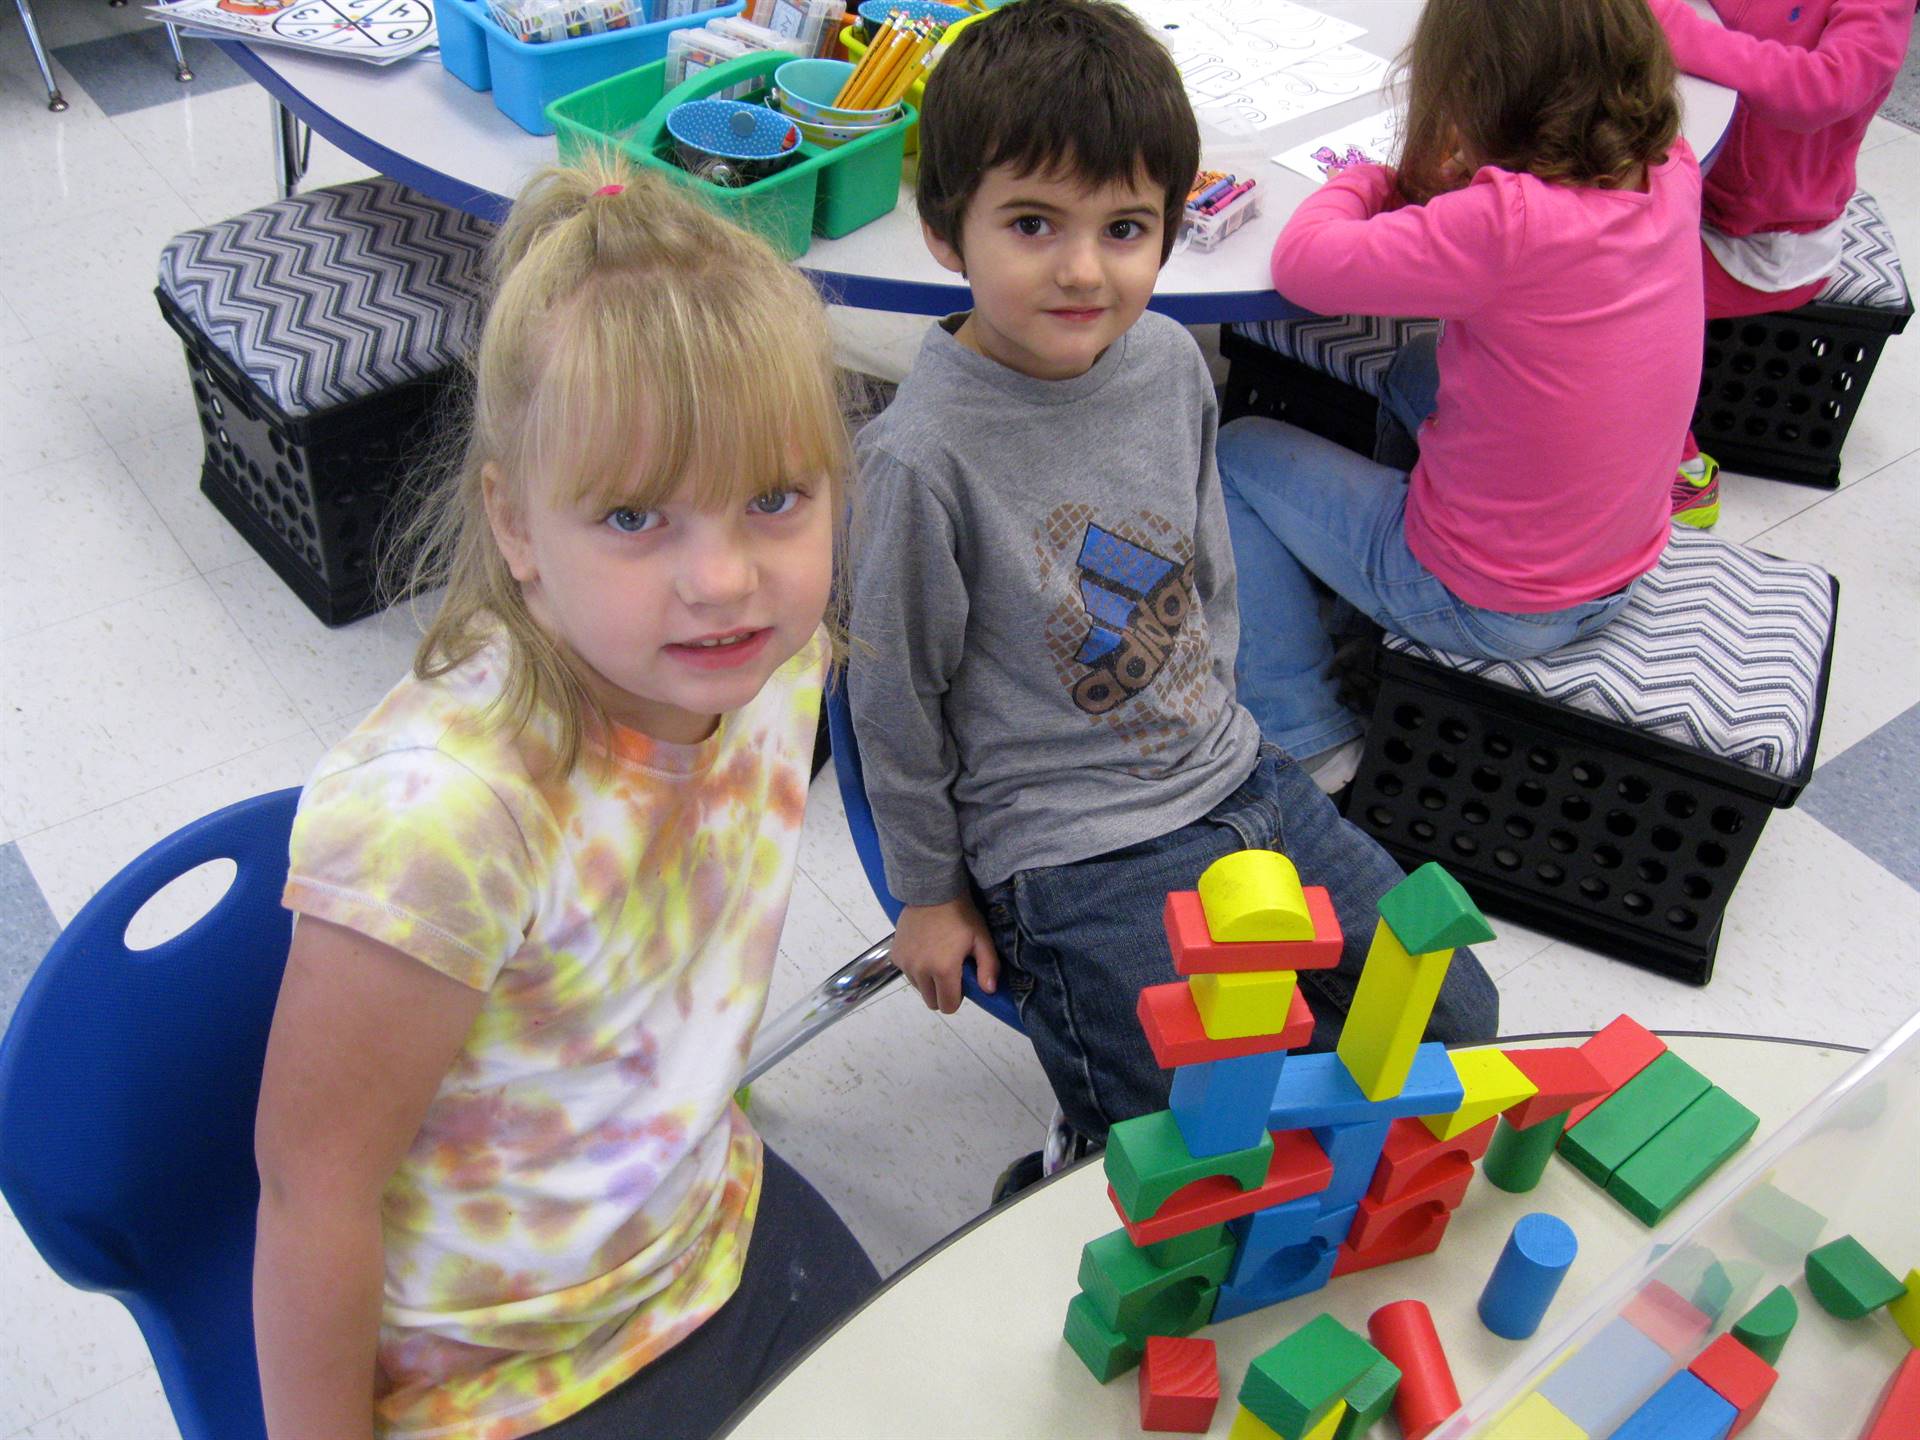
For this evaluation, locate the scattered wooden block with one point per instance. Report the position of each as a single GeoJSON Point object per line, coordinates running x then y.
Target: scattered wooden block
{"type": "Point", "coordinates": [1176, 1036]}
{"type": "Point", "coordinates": [1254, 895]}
{"type": "Point", "coordinates": [1369, 1398]}
{"type": "Point", "coordinates": [1668, 1318]}
{"type": "Point", "coordinates": [1404, 1333]}
{"type": "Point", "coordinates": [1671, 1166]}
{"type": "Point", "coordinates": [1430, 910]}
{"type": "Point", "coordinates": [1179, 1384]}
{"type": "Point", "coordinates": [1906, 1310]}
{"type": "Point", "coordinates": [1764, 1329]}
{"type": "Point", "coordinates": [1293, 1385]}
{"type": "Point", "coordinates": [1534, 1418]}
{"type": "Point", "coordinates": [1897, 1415]}
{"type": "Point", "coordinates": [1685, 1408]}
{"type": "Point", "coordinates": [1492, 1084]}
{"type": "Point", "coordinates": [1605, 1380]}
{"type": "Point", "coordinates": [1631, 1116]}
{"type": "Point", "coordinates": [1848, 1282]}
{"type": "Point", "coordinates": [1196, 952]}
{"type": "Point", "coordinates": [1775, 1226]}
{"type": "Point", "coordinates": [1391, 1007]}
{"type": "Point", "coordinates": [1518, 1158]}
{"type": "Point", "coordinates": [1737, 1376]}
{"type": "Point", "coordinates": [1527, 1275]}
{"type": "Point", "coordinates": [1619, 1050]}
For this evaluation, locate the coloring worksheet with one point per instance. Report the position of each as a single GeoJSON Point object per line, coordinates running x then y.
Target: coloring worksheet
{"type": "Point", "coordinates": [1331, 77]}
{"type": "Point", "coordinates": [1373, 141]}
{"type": "Point", "coordinates": [379, 31]}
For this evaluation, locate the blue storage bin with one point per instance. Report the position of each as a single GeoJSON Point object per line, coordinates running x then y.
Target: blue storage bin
{"type": "Point", "coordinates": [463, 43]}
{"type": "Point", "coordinates": [526, 78]}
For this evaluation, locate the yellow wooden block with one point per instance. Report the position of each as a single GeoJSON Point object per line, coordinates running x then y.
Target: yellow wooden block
{"type": "Point", "coordinates": [1534, 1418]}
{"type": "Point", "coordinates": [1249, 1426]}
{"type": "Point", "coordinates": [1906, 1310]}
{"type": "Point", "coordinates": [1391, 1007]}
{"type": "Point", "coordinates": [1254, 895]}
{"type": "Point", "coordinates": [1324, 1430]}
{"type": "Point", "coordinates": [1232, 1007]}
{"type": "Point", "coordinates": [1492, 1082]}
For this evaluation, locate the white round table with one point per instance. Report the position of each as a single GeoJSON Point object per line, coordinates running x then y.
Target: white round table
{"type": "Point", "coordinates": [415, 122]}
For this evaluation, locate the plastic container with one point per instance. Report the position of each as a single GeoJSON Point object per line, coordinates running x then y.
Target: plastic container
{"type": "Point", "coordinates": [1842, 1166]}
{"type": "Point", "coordinates": [463, 43]}
{"type": "Point", "coordinates": [856, 48]}
{"type": "Point", "coordinates": [526, 78]}
{"type": "Point", "coordinates": [829, 192]}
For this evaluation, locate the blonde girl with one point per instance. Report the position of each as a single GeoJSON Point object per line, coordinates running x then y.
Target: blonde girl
{"type": "Point", "coordinates": [505, 1190]}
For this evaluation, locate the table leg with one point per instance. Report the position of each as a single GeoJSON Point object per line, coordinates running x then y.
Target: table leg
{"type": "Point", "coordinates": [290, 142]}
{"type": "Point", "coordinates": [180, 70]}
{"type": "Point", "coordinates": [56, 102]}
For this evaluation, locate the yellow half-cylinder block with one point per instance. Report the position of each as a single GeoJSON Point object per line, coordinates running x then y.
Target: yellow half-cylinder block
{"type": "Point", "coordinates": [1233, 1007]}
{"type": "Point", "coordinates": [1492, 1082]}
{"type": "Point", "coordinates": [1534, 1418]}
{"type": "Point", "coordinates": [1906, 1310]}
{"type": "Point", "coordinates": [1391, 1007]}
{"type": "Point", "coordinates": [1254, 895]}
{"type": "Point", "coordinates": [1329, 1423]}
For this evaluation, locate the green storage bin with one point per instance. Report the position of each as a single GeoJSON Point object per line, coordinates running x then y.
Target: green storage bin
{"type": "Point", "coordinates": [825, 192]}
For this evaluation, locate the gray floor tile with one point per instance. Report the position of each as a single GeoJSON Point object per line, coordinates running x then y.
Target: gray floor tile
{"type": "Point", "coordinates": [27, 924]}
{"type": "Point", "coordinates": [132, 71]}
{"type": "Point", "coordinates": [1869, 795]}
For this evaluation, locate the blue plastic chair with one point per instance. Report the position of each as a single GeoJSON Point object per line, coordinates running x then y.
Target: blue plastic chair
{"type": "Point", "coordinates": [128, 1083]}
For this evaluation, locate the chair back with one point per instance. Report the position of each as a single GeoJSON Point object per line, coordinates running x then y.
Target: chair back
{"type": "Point", "coordinates": [128, 1083]}
{"type": "Point", "coordinates": [866, 840]}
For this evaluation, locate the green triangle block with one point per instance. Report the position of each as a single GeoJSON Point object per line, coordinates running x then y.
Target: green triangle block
{"type": "Point", "coordinates": [1849, 1282]}
{"type": "Point", "coordinates": [1429, 910]}
{"type": "Point", "coordinates": [1764, 1329]}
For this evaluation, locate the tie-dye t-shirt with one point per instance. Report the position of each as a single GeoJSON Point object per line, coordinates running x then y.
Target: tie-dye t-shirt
{"type": "Point", "coordinates": [581, 1191]}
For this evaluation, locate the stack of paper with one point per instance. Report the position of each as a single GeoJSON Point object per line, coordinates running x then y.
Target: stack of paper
{"type": "Point", "coordinates": [377, 32]}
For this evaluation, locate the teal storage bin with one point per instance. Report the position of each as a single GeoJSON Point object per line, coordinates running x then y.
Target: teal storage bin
{"type": "Point", "coordinates": [525, 78]}
{"type": "Point", "coordinates": [463, 43]}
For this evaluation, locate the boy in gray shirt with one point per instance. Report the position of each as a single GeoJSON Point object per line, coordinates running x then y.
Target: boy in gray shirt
{"type": "Point", "coordinates": [1043, 591]}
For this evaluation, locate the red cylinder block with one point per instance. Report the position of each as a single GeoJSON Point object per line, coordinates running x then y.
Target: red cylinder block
{"type": "Point", "coordinates": [1404, 1333]}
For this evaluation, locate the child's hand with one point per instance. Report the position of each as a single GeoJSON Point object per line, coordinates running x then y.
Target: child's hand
{"type": "Point", "coordinates": [932, 942]}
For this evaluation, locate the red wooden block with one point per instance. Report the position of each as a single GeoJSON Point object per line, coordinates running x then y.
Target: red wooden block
{"type": "Point", "coordinates": [1667, 1318]}
{"type": "Point", "coordinates": [1404, 1333]}
{"type": "Point", "coordinates": [1179, 1384]}
{"type": "Point", "coordinates": [1299, 1167]}
{"type": "Point", "coordinates": [1737, 1376]}
{"type": "Point", "coordinates": [1443, 1184]}
{"type": "Point", "coordinates": [1412, 1151]}
{"type": "Point", "coordinates": [1419, 1232]}
{"type": "Point", "coordinates": [1172, 1024]}
{"type": "Point", "coordinates": [1566, 1078]}
{"type": "Point", "coordinates": [1897, 1416]}
{"type": "Point", "coordinates": [1619, 1050]}
{"type": "Point", "coordinates": [1196, 952]}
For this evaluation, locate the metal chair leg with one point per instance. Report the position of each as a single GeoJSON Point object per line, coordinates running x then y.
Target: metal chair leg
{"type": "Point", "coordinates": [290, 140]}
{"type": "Point", "coordinates": [860, 981]}
{"type": "Point", "coordinates": [56, 102]}
{"type": "Point", "coordinates": [180, 70]}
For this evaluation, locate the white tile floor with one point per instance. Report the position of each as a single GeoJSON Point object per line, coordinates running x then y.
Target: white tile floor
{"type": "Point", "coordinates": [154, 669]}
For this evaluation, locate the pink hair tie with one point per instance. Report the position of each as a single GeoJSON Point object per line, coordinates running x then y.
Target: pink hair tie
{"type": "Point", "coordinates": [609, 189]}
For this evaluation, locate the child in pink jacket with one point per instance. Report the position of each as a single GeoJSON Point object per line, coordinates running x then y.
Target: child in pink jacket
{"type": "Point", "coordinates": [1811, 75]}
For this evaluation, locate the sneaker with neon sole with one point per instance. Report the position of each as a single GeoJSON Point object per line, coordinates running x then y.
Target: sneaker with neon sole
{"type": "Point", "coordinates": [1696, 492]}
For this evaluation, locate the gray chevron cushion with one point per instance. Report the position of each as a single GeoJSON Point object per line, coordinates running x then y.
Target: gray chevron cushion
{"type": "Point", "coordinates": [334, 295]}
{"type": "Point", "coordinates": [1354, 348]}
{"type": "Point", "coordinates": [1870, 273]}
{"type": "Point", "coordinates": [1720, 649]}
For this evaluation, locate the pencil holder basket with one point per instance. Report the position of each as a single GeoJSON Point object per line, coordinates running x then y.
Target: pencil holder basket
{"type": "Point", "coordinates": [322, 334]}
{"type": "Point", "coordinates": [856, 50]}
{"type": "Point", "coordinates": [1778, 392]}
{"type": "Point", "coordinates": [1611, 792]}
{"type": "Point", "coordinates": [525, 78]}
{"type": "Point", "coordinates": [829, 192]}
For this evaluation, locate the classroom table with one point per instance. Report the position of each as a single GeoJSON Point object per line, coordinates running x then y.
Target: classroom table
{"type": "Point", "coordinates": [416, 123]}
{"type": "Point", "coordinates": [967, 1340]}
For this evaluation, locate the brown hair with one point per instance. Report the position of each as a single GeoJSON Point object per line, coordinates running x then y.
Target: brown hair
{"type": "Point", "coordinates": [1074, 88]}
{"type": "Point", "coordinates": [1580, 92]}
{"type": "Point", "coordinates": [635, 344]}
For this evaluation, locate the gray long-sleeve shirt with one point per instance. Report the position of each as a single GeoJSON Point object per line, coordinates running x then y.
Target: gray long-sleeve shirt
{"type": "Point", "coordinates": [1043, 612]}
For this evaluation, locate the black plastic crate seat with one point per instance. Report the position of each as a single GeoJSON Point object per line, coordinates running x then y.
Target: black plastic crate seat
{"type": "Point", "coordinates": [321, 333]}
{"type": "Point", "coordinates": [1322, 373]}
{"type": "Point", "coordinates": [1611, 793]}
{"type": "Point", "coordinates": [1779, 391]}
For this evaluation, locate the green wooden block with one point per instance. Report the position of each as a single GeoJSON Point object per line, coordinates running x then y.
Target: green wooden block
{"type": "Point", "coordinates": [1764, 1329]}
{"type": "Point", "coordinates": [1775, 1226]}
{"type": "Point", "coordinates": [1147, 1160]}
{"type": "Point", "coordinates": [1669, 1167]}
{"type": "Point", "coordinates": [1292, 1386]}
{"type": "Point", "coordinates": [1368, 1400]}
{"type": "Point", "coordinates": [1627, 1119]}
{"type": "Point", "coordinates": [1177, 1250]}
{"type": "Point", "coordinates": [1430, 911]}
{"type": "Point", "coordinates": [1138, 1298]}
{"type": "Point", "coordinates": [1726, 1284]}
{"type": "Point", "coordinates": [1849, 1282]}
{"type": "Point", "coordinates": [1517, 1159]}
{"type": "Point", "coordinates": [1101, 1348]}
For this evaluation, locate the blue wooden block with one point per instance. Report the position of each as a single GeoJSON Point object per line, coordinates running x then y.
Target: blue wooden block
{"type": "Point", "coordinates": [1296, 1270]}
{"type": "Point", "coordinates": [1685, 1408]}
{"type": "Point", "coordinates": [1527, 1275]}
{"type": "Point", "coordinates": [1607, 1378]}
{"type": "Point", "coordinates": [1354, 1151]}
{"type": "Point", "coordinates": [1221, 1105]}
{"type": "Point", "coordinates": [1260, 1236]}
{"type": "Point", "coordinates": [1316, 1091]}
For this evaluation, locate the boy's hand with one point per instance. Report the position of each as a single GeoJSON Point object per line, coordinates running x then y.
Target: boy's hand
{"type": "Point", "coordinates": [932, 942]}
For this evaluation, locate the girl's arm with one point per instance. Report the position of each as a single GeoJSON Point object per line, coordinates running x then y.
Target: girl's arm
{"type": "Point", "coordinates": [1858, 53]}
{"type": "Point", "coordinates": [1348, 251]}
{"type": "Point", "coordinates": [362, 1037]}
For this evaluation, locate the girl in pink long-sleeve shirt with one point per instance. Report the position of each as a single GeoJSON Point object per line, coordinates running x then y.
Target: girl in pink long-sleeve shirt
{"type": "Point", "coordinates": [1547, 210]}
{"type": "Point", "coordinates": [1811, 75]}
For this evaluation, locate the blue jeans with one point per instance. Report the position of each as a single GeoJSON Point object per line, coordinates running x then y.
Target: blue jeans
{"type": "Point", "coordinates": [1301, 508]}
{"type": "Point", "coordinates": [1078, 942]}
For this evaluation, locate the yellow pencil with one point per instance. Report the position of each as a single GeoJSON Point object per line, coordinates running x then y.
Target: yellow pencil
{"type": "Point", "coordinates": [863, 72]}
{"type": "Point", "coordinates": [910, 71]}
{"type": "Point", "coordinates": [882, 65]}
{"type": "Point", "coordinates": [876, 98]}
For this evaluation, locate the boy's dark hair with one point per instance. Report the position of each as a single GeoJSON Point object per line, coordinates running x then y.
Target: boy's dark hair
{"type": "Point", "coordinates": [1074, 87]}
{"type": "Point", "coordinates": [1580, 92]}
